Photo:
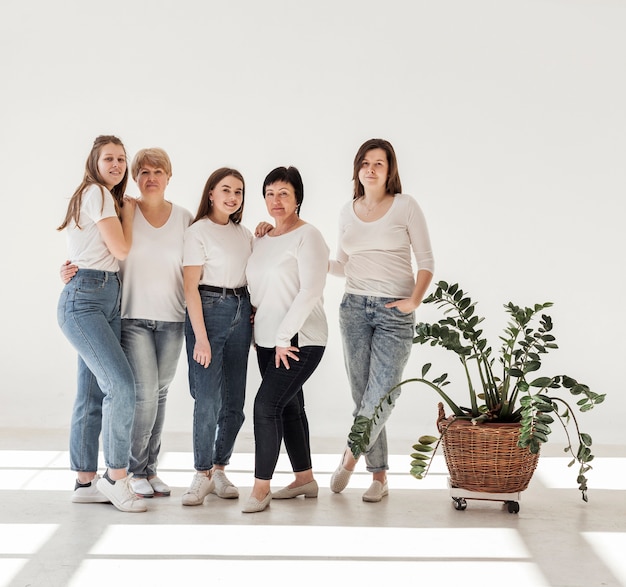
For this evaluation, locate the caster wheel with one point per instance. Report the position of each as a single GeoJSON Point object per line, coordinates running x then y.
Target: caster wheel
{"type": "Point", "coordinates": [512, 507]}
{"type": "Point", "coordinates": [459, 503]}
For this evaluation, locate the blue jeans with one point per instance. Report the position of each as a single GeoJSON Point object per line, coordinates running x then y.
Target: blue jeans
{"type": "Point", "coordinates": [153, 349]}
{"type": "Point", "coordinates": [88, 313]}
{"type": "Point", "coordinates": [376, 347]}
{"type": "Point", "coordinates": [219, 390]}
{"type": "Point", "coordinates": [279, 411]}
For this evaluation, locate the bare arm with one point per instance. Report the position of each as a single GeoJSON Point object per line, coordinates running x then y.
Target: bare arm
{"type": "Point", "coordinates": [202, 347]}
{"type": "Point", "coordinates": [118, 236]}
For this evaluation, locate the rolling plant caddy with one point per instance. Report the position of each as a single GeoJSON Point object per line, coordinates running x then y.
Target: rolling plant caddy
{"type": "Point", "coordinates": [506, 397]}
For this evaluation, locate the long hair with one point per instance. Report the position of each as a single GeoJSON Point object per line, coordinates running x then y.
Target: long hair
{"type": "Point", "coordinates": [289, 175]}
{"type": "Point", "coordinates": [393, 185]}
{"type": "Point", "coordinates": [92, 177]}
{"type": "Point", "coordinates": [205, 203]}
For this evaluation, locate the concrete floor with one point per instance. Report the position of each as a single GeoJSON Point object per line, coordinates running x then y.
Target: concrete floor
{"type": "Point", "coordinates": [413, 535]}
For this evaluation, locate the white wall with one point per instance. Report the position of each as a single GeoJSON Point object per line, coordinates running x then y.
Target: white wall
{"type": "Point", "coordinates": [507, 116]}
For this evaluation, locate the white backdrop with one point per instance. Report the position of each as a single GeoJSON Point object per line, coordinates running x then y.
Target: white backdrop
{"type": "Point", "coordinates": [508, 117]}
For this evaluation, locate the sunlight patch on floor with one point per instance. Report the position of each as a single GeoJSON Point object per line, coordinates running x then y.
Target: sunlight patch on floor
{"type": "Point", "coordinates": [309, 541]}
{"type": "Point", "coordinates": [309, 573]}
{"type": "Point", "coordinates": [610, 548]}
{"type": "Point", "coordinates": [24, 539]}
{"type": "Point", "coordinates": [606, 473]}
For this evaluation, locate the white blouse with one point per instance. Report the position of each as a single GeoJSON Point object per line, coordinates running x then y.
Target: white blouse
{"type": "Point", "coordinates": [286, 277]}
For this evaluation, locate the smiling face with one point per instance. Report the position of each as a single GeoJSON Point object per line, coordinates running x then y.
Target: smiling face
{"type": "Point", "coordinates": [280, 199]}
{"type": "Point", "coordinates": [226, 198]}
{"type": "Point", "coordinates": [152, 180]}
{"type": "Point", "coordinates": [374, 170]}
{"type": "Point", "coordinates": [111, 164]}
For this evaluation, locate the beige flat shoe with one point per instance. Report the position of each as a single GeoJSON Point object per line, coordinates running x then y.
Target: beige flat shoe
{"type": "Point", "coordinates": [376, 491]}
{"type": "Point", "coordinates": [309, 489]}
{"type": "Point", "coordinates": [253, 505]}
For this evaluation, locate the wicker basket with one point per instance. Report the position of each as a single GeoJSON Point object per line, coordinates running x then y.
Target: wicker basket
{"type": "Point", "coordinates": [485, 457]}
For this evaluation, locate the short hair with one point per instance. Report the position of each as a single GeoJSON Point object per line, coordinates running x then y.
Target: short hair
{"type": "Point", "coordinates": [205, 202]}
{"type": "Point", "coordinates": [289, 175]}
{"type": "Point", "coordinates": [393, 185]}
{"type": "Point", "coordinates": [154, 157]}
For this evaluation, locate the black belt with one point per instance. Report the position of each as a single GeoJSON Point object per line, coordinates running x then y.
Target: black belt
{"type": "Point", "coordinates": [225, 291]}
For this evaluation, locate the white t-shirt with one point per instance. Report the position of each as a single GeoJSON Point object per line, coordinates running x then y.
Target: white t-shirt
{"type": "Point", "coordinates": [286, 277]}
{"type": "Point", "coordinates": [85, 246]}
{"type": "Point", "coordinates": [152, 274]}
{"type": "Point", "coordinates": [375, 257]}
{"type": "Point", "coordinates": [221, 250]}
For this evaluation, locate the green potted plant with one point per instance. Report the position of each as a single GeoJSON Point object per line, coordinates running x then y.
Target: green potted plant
{"type": "Point", "coordinates": [504, 390]}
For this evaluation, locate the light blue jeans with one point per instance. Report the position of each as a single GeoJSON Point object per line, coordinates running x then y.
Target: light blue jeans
{"type": "Point", "coordinates": [153, 349]}
{"type": "Point", "coordinates": [376, 347]}
{"type": "Point", "coordinates": [219, 390]}
{"type": "Point", "coordinates": [88, 313]}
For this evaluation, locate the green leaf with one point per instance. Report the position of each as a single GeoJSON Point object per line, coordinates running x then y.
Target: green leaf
{"type": "Point", "coordinates": [532, 366]}
{"type": "Point", "coordinates": [541, 382]}
{"type": "Point", "coordinates": [586, 439]}
{"type": "Point", "coordinates": [427, 439]}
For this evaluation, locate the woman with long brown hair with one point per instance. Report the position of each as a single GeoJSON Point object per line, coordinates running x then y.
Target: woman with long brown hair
{"type": "Point", "coordinates": [99, 234]}
{"type": "Point", "coordinates": [218, 330]}
{"type": "Point", "coordinates": [378, 231]}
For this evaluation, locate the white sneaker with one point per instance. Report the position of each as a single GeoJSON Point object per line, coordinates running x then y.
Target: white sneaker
{"type": "Point", "coordinates": [141, 487]}
{"type": "Point", "coordinates": [159, 487]}
{"type": "Point", "coordinates": [121, 494]}
{"type": "Point", "coordinates": [200, 487]}
{"type": "Point", "coordinates": [223, 487]}
{"type": "Point", "coordinates": [88, 492]}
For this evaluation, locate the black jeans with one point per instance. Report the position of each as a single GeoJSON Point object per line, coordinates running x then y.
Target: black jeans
{"type": "Point", "coordinates": [279, 411]}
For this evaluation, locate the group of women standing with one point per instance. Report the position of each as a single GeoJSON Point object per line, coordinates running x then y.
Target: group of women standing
{"type": "Point", "coordinates": [208, 279]}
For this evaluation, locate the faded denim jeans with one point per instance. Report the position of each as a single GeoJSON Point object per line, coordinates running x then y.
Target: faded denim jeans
{"type": "Point", "coordinates": [377, 343]}
{"type": "Point", "coordinates": [153, 350]}
{"type": "Point", "coordinates": [88, 313]}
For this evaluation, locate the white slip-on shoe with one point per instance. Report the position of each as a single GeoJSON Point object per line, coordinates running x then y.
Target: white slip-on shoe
{"type": "Point", "coordinates": [141, 487]}
{"type": "Point", "coordinates": [160, 488]}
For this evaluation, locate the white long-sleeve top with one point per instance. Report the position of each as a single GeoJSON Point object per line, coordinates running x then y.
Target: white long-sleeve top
{"type": "Point", "coordinates": [375, 257]}
{"type": "Point", "coordinates": [286, 277]}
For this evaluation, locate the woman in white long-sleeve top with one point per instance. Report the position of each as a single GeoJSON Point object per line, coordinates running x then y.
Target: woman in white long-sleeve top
{"type": "Point", "coordinates": [286, 276]}
{"type": "Point", "coordinates": [378, 231]}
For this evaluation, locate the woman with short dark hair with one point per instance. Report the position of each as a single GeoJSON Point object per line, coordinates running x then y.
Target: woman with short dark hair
{"type": "Point", "coordinates": [286, 275]}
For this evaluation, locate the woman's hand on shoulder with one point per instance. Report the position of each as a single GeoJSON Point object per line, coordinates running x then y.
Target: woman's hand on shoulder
{"type": "Point", "coordinates": [128, 208]}
{"type": "Point", "coordinates": [67, 271]}
{"type": "Point", "coordinates": [284, 353]}
{"type": "Point", "coordinates": [262, 228]}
